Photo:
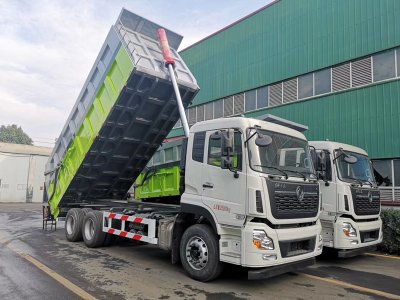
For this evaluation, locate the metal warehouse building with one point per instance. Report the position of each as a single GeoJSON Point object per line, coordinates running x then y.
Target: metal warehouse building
{"type": "Point", "coordinates": [22, 172]}
{"type": "Point", "coordinates": [332, 65]}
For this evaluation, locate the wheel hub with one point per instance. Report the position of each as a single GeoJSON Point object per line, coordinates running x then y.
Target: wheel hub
{"type": "Point", "coordinates": [197, 253]}
{"type": "Point", "coordinates": [70, 225]}
{"type": "Point", "coordinates": [89, 229]}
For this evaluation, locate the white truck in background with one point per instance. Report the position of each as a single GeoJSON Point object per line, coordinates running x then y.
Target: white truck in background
{"type": "Point", "coordinates": [350, 218]}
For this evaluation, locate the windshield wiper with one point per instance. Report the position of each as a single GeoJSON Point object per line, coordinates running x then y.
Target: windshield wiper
{"type": "Point", "coordinates": [297, 172]}
{"type": "Point", "coordinates": [370, 183]}
{"type": "Point", "coordinates": [275, 168]}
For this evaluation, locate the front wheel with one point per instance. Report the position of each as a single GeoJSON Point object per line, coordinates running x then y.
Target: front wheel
{"type": "Point", "coordinates": [199, 253]}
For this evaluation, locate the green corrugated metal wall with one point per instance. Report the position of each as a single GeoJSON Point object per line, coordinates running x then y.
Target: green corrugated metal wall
{"type": "Point", "coordinates": [289, 38]}
{"type": "Point", "coordinates": [367, 117]}
{"type": "Point", "coordinates": [293, 37]}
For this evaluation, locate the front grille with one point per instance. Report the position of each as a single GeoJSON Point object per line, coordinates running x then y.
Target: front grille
{"type": "Point", "coordinates": [291, 200]}
{"type": "Point", "coordinates": [369, 236]}
{"type": "Point", "coordinates": [297, 247]}
{"type": "Point", "coordinates": [366, 201]}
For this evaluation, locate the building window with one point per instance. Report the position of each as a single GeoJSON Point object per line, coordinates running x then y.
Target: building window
{"type": "Point", "coordinates": [200, 113]}
{"type": "Point", "coordinates": [398, 61]}
{"type": "Point", "coordinates": [178, 124]}
{"type": "Point", "coordinates": [396, 171]}
{"type": "Point", "coordinates": [169, 154]}
{"type": "Point", "coordinates": [208, 108]}
{"type": "Point", "coordinates": [239, 104]}
{"type": "Point", "coordinates": [275, 94]}
{"type": "Point", "coordinates": [361, 73]}
{"type": "Point", "coordinates": [290, 90]}
{"type": "Point", "coordinates": [262, 97]}
{"type": "Point", "coordinates": [306, 86]}
{"type": "Point", "coordinates": [218, 109]}
{"type": "Point", "coordinates": [228, 106]}
{"type": "Point", "coordinates": [250, 98]}
{"type": "Point", "coordinates": [192, 115]}
{"type": "Point", "coordinates": [322, 81]}
{"type": "Point", "coordinates": [384, 65]}
{"type": "Point", "coordinates": [341, 77]}
{"type": "Point", "coordinates": [157, 158]}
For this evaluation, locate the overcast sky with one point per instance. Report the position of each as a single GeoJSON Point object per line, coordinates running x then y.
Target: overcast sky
{"type": "Point", "coordinates": [47, 48]}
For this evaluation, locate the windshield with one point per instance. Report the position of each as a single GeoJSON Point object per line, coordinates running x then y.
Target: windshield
{"type": "Point", "coordinates": [284, 155]}
{"type": "Point", "coordinates": [360, 171]}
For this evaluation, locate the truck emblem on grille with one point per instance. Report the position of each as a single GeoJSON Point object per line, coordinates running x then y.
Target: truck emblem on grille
{"type": "Point", "coordinates": [370, 198]}
{"type": "Point", "coordinates": [300, 193]}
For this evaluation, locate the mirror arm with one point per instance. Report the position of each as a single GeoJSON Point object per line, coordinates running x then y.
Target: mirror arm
{"type": "Point", "coordinates": [341, 153]}
{"type": "Point", "coordinates": [234, 171]}
{"type": "Point", "coordinates": [249, 138]}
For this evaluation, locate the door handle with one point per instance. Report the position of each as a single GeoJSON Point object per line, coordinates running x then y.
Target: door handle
{"type": "Point", "coordinates": [208, 185]}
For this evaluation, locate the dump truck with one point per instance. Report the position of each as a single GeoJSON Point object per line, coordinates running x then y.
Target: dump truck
{"type": "Point", "coordinates": [350, 219]}
{"type": "Point", "coordinates": [236, 203]}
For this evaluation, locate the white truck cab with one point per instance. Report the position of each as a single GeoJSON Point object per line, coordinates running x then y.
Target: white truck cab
{"type": "Point", "coordinates": [264, 208]}
{"type": "Point", "coordinates": [350, 216]}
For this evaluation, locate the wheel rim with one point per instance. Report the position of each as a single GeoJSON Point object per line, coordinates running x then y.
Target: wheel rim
{"type": "Point", "coordinates": [89, 229]}
{"type": "Point", "coordinates": [70, 224]}
{"type": "Point", "coordinates": [197, 253]}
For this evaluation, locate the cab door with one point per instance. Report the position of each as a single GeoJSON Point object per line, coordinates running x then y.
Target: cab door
{"type": "Point", "coordinates": [223, 191]}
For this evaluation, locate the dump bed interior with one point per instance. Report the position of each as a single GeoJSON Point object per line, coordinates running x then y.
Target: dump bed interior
{"type": "Point", "coordinates": [125, 110]}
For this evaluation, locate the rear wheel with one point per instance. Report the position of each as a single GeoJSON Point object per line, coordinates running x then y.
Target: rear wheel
{"type": "Point", "coordinates": [73, 225]}
{"type": "Point", "coordinates": [199, 253]}
{"type": "Point", "coordinates": [86, 210]}
{"type": "Point", "coordinates": [92, 229]}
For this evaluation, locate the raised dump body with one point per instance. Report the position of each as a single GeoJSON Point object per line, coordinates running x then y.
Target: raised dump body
{"type": "Point", "coordinates": [125, 110]}
{"type": "Point", "coordinates": [161, 177]}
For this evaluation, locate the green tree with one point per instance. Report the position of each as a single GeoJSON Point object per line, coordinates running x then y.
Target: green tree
{"type": "Point", "coordinates": [14, 134]}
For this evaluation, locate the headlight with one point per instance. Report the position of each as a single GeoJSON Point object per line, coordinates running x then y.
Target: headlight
{"type": "Point", "coordinates": [262, 241]}
{"type": "Point", "coordinates": [349, 230]}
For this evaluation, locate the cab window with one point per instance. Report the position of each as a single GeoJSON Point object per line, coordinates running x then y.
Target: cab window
{"type": "Point", "coordinates": [214, 151]}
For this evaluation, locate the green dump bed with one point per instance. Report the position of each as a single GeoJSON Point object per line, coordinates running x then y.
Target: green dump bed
{"type": "Point", "coordinates": [161, 177]}
{"type": "Point", "coordinates": [125, 110]}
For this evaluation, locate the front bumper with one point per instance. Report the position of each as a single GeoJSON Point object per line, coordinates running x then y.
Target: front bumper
{"type": "Point", "coordinates": [258, 258]}
{"type": "Point", "coordinates": [342, 242]}
{"type": "Point", "coordinates": [355, 252]}
{"type": "Point", "coordinates": [265, 273]}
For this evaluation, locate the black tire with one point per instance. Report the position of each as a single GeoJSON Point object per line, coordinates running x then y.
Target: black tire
{"type": "Point", "coordinates": [92, 229]}
{"type": "Point", "coordinates": [86, 210]}
{"type": "Point", "coordinates": [73, 225]}
{"type": "Point", "coordinates": [199, 251]}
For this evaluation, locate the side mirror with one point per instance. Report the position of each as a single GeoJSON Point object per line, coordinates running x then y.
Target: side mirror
{"type": "Point", "coordinates": [226, 163]}
{"type": "Point", "coordinates": [263, 140]}
{"type": "Point", "coordinates": [350, 159]}
{"type": "Point", "coordinates": [321, 161]}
